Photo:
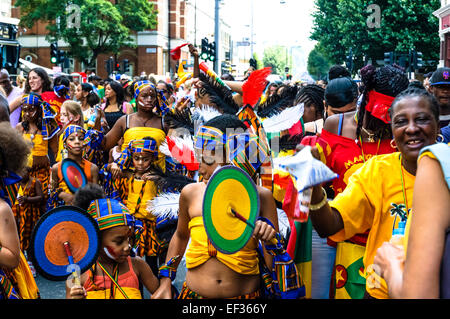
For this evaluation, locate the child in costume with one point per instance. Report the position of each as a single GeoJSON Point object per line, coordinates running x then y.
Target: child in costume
{"type": "Point", "coordinates": [70, 114]}
{"type": "Point", "coordinates": [74, 143]}
{"type": "Point", "coordinates": [115, 275]}
{"type": "Point", "coordinates": [210, 273]}
{"type": "Point", "coordinates": [29, 207]}
{"type": "Point", "coordinates": [134, 187]}
{"type": "Point", "coordinates": [16, 280]}
{"type": "Point", "coordinates": [39, 126]}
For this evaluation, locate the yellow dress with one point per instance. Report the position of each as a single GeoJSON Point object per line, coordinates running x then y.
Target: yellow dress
{"type": "Point", "coordinates": [136, 133]}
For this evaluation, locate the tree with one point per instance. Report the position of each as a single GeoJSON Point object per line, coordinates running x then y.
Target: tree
{"type": "Point", "coordinates": [318, 63]}
{"type": "Point", "coordinates": [408, 24]}
{"type": "Point", "coordinates": [276, 57]}
{"type": "Point", "coordinates": [103, 27]}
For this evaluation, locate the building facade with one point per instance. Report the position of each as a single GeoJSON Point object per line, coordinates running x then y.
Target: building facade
{"type": "Point", "coordinates": [178, 22]}
{"type": "Point", "coordinates": [443, 14]}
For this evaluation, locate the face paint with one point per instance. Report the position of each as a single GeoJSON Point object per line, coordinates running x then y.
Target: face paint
{"type": "Point", "coordinates": [109, 252]}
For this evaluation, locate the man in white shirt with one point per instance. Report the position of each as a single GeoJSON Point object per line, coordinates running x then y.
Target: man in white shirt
{"type": "Point", "coordinates": [12, 92]}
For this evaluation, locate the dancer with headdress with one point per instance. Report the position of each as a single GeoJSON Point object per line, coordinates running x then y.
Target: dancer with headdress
{"type": "Point", "coordinates": [39, 126]}
{"type": "Point", "coordinates": [239, 272]}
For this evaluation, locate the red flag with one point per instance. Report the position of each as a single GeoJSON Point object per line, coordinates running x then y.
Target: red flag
{"type": "Point", "coordinates": [176, 53]}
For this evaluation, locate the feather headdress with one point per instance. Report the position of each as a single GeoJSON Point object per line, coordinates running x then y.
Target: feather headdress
{"type": "Point", "coordinates": [219, 95]}
{"type": "Point", "coordinates": [179, 120]}
{"type": "Point", "coordinates": [284, 120]}
{"type": "Point", "coordinates": [164, 205]}
{"type": "Point", "coordinates": [181, 149]}
{"type": "Point", "coordinates": [276, 103]}
{"type": "Point", "coordinates": [169, 181]}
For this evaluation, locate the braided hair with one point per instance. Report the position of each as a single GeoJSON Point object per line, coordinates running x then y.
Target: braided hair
{"type": "Point", "coordinates": [389, 80]}
{"type": "Point", "coordinates": [311, 94]}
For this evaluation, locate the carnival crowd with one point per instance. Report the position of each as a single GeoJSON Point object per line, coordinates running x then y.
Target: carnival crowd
{"type": "Point", "coordinates": [147, 147]}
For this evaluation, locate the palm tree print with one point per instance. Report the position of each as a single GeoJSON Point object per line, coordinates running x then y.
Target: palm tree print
{"type": "Point", "coordinates": [399, 210]}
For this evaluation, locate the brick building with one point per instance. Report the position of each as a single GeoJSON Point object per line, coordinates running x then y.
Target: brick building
{"type": "Point", "coordinates": [178, 21]}
{"type": "Point", "coordinates": [443, 14]}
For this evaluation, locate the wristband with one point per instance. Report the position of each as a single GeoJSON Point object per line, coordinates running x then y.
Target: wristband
{"type": "Point", "coordinates": [318, 206]}
{"type": "Point", "coordinates": [168, 269]}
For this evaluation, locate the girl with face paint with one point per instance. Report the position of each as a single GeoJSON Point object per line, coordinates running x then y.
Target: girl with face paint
{"type": "Point", "coordinates": [115, 274]}
{"type": "Point", "coordinates": [73, 141]}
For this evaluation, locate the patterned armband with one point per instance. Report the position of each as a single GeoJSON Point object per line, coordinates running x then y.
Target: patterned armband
{"type": "Point", "coordinates": [169, 270]}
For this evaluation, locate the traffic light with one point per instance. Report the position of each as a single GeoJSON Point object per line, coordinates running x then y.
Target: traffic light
{"type": "Point", "coordinates": [417, 60]}
{"type": "Point", "coordinates": [61, 56]}
{"type": "Point", "coordinates": [125, 66]}
{"type": "Point", "coordinates": [388, 58]}
{"type": "Point", "coordinates": [54, 52]}
{"type": "Point", "coordinates": [205, 49]}
{"type": "Point", "coordinates": [117, 66]}
{"type": "Point", "coordinates": [212, 51]}
{"type": "Point", "coordinates": [109, 65]}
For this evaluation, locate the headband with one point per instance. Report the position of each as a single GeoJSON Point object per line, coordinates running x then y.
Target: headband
{"type": "Point", "coordinates": [70, 130]}
{"type": "Point", "coordinates": [162, 102]}
{"type": "Point", "coordinates": [136, 146]}
{"type": "Point", "coordinates": [49, 125]}
{"type": "Point", "coordinates": [243, 149]}
{"type": "Point", "coordinates": [111, 213]}
{"type": "Point", "coordinates": [59, 89]}
{"type": "Point", "coordinates": [378, 105]}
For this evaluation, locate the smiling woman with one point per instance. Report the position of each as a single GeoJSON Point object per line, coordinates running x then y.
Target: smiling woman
{"type": "Point", "coordinates": [379, 202]}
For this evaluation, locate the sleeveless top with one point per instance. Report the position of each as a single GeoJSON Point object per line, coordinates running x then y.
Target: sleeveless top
{"type": "Point", "coordinates": [441, 152]}
{"type": "Point", "coordinates": [200, 250]}
{"type": "Point", "coordinates": [86, 168]}
{"type": "Point", "coordinates": [40, 146]}
{"type": "Point", "coordinates": [128, 281]}
{"type": "Point", "coordinates": [139, 132]}
{"type": "Point", "coordinates": [112, 117]}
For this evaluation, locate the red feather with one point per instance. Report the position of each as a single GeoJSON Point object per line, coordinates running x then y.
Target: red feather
{"type": "Point", "coordinates": [255, 85]}
{"type": "Point", "coordinates": [185, 156]}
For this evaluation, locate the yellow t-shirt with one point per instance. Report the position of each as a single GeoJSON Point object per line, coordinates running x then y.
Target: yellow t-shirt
{"type": "Point", "coordinates": [372, 200]}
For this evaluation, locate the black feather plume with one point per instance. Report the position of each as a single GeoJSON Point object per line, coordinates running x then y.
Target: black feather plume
{"type": "Point", "coordinates": [277, 103]}
{"type": "Point", "coordinates": [219, 95]}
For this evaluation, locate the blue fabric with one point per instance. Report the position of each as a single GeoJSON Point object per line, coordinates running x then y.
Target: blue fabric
{"type": "Point", "coordinates": [323, 257]}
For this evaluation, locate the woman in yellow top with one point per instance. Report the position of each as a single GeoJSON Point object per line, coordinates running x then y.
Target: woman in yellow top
{"type": "Point", "coordinates": [379, 194]}
{"type": "Point", "coordinates": [211, 274]}
{"type": "Point", "coordinates": [424, 271]}
{"type": "Point", "coordinates": [146, 122]}
{"type": "Point", "coordinates": [39, 126]}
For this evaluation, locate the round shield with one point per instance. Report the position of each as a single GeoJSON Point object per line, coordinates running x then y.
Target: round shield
{"type": "Point", "coordinates": [230, 209]}
{"type": "Point", "coordinates": [64, 224]}
{"type": "Point", "coordinates": [73, 174]}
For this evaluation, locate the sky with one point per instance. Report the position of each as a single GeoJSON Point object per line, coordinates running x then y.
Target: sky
{"type": "Point", "coordinates": [287, 24]}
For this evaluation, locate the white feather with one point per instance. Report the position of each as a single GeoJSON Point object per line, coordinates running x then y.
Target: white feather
{"type": "Point", "coordinates": [203, 114]}
{"type": "Point", "coordinates": [283, 222]}
{"type": "Point", "coordinates": [164, 148]}
{"type": "Point", "coordinates": [285, 120]}
{"type": "Point", "coordinates": [164, 205]}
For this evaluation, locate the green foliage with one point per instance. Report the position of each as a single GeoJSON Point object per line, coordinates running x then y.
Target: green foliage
{"type": "Point", "coordinates": [276, 57]}
{"type": "Point", "coordinates": [318, 63]}
{"type": "Point", "coordinates": [405, 24]}
{"type": "Point", "coordinates": [104, 27]}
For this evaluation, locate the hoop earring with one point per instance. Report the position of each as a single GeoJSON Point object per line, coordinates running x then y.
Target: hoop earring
{"type": "Point", "coordinates": [393, 146]}
{"type": "Point", "coordinates": [440, 138]}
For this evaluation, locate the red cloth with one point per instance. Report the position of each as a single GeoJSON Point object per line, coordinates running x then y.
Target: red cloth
{"type": "Point", "coordinates": [378, 105]}
{"type": "Point", "coordinates": [55, 102]}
